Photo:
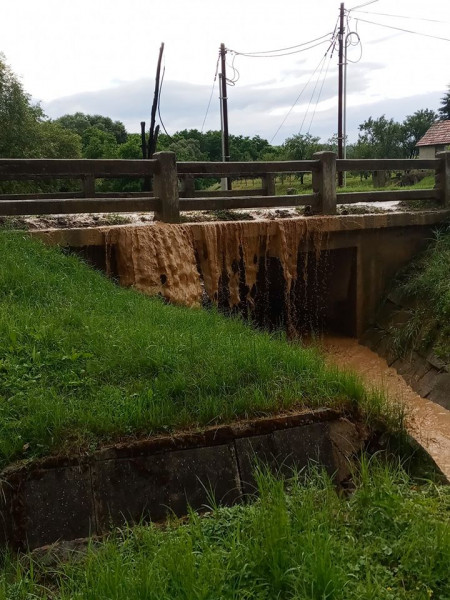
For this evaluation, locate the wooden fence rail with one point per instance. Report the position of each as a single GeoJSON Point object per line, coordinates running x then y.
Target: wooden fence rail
{"type": "Point", "coordinates": [169, 197]}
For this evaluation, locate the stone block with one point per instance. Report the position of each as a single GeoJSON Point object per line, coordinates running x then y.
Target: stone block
{"type": "Point", "coordinates": [152, 487]}
{"type": "Point", "coordinates": [253, 451]}
{"type": "Point", "coordinates": [426, 383]}
{"type": "Point", "coordinates": [440, 392]}
{"type": "Point", "coordinates": [56, 503]}
{"type": "Point", "coordinates": [298, 447]}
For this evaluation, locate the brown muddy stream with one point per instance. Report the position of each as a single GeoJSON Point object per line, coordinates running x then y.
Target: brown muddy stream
{"type": "Point", "coordinates": [428, 422]}
{"type": "Point", "coordinates": [277, 274]}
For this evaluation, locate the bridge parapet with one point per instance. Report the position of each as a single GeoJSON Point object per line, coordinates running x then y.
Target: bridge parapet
{"type": "Point", "coordinates": [168, 200]}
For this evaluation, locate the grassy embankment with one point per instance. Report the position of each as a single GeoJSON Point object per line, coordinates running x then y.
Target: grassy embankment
{"type": "Point", "coordinates": [426, 285]}
{"type": "Point", "coordinates": [389, 541]}
{"type": "Point", "coordinates": [83, 361]}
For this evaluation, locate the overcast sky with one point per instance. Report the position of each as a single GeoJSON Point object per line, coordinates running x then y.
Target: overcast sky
{"type": "Point", "coordinates": [99, 56]}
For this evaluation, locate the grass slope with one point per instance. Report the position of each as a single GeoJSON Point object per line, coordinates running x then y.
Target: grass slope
{"type": "Point", "coordinates": [390, 540]}
{"type": "Point", "coordinates": [82, 360]}
{"type": "Point", "coordinates": [426, 282]}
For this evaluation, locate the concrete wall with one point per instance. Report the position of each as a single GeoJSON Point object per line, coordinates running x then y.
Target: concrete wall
{"type": "Point", "coordinates": [369, 251]}
{"type": "Point", "coordinates": [75, 497]}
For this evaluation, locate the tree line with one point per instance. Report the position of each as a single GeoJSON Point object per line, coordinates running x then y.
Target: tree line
{"type": "Point", "coordinates": [27, 133]}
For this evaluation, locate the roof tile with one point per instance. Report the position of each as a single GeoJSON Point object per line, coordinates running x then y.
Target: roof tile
{"type": "Point", "coordinates": [437, 135]}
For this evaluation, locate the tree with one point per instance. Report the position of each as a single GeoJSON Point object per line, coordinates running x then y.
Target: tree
{"type": "Point", "coordinates": [415, 126]}
{"type": "Point", "coordinates": [80, 122]}
{"type": "Point", "coordinates": [444, 110]}
{"type": "Point", "coordinates": [19, 118]}
{"type": "Point", "coordinates": [98, 143]}
{"type": "Point", "coordinates": [301, 147]}
{"type": "Point", "coordinates": [380, 138]}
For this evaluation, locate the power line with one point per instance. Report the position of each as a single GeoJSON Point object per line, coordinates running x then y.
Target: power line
{"type": "Point", "coordinates": [284, 49]}
{"type": "Point", "coordinates": [362, 5]}
{"type": "Point", "coordinates": [313, 92]}
{"type": "Point", "coordinates": [159, 103]}
{"type": "Point", "coordinates": [366, 12]}
{"type": "Point", "coordinates": [435, 37]}
{"type": "Point", "coordinates": [248, 55]}
{"type": "Point", "coordinates": [298, 97]}
{"type": "Point", "coordinates": [320, 91]}
{"type": "Point", "coordinates": [212, 92]}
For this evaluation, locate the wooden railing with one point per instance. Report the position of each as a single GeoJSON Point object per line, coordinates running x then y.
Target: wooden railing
{"type": "Point", "coordinates": [169, 198]}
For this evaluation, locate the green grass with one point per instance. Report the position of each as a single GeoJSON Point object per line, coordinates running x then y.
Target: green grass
{"type": "Point", "coordinates": [83, 361]}
{"type": "Point", "coordinates": [426, 284]}
{"type": "Point", "coordinates": [353, 184]}
{"type": "Point", "coordinates": [389, 541]}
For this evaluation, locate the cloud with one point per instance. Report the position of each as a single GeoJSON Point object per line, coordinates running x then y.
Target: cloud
{"type": "Point", "coordinates": [252, 109]}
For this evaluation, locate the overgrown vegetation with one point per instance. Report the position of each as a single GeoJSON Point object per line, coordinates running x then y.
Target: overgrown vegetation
{"type": "Point", "coordinates": [389, 540]}
{"type": "Point", "coordinates": [83, 360]}
{"type": "Point", "coordinates": [425, 285]}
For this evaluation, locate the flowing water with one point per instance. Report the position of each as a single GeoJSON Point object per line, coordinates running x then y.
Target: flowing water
{"type": "Point", "coordinates": [277, 274]}
{"type": "Point", "coordinates": [429, 423]}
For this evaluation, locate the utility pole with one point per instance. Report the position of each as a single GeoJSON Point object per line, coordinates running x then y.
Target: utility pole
{"type": "Point", "coordinates": [341, 91]}
{"type": "Point", "coordinates": [224, 113]}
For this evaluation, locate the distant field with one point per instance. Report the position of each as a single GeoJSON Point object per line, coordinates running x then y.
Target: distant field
{"type": "Point", "coordinates": [354, 183]}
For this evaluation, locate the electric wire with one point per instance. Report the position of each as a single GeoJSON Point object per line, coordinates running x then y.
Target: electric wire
{"type": "Point", "coordinates": [358, 43]}
{"type": "Point", "coordinates": [211, 95]}
{"type": "Point", "coordinates": [320, 91]}
{"type": "Point", "coordinates": [299, 96]}
{"type": "Point", "coordinates": [331, 48]}
{"type": "Point", "coordinates": [313, 92]}
{"type": "Point", "coordinates": [159, 103]}
{"type": "Point", "coordinates": [284, 49]}
{"type": "Point", "coordinates": [366, 12]}
{"type": "Point", "coordinates": [248, 55]}
{"type": "Point", "coordinates": [428, 35]}
{"type": "Point", "coordinates": [362, 5]}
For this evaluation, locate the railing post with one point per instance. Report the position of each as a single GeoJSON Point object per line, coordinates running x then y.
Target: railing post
{"type": "Point", "coordinates": [88, 182]}
{"type": "Point", "coordinates": [443, 177]}
{"type": "Point", "coordinates": [324, 182]}
{"type": "Point", "coordinates": [188, 186]}
{"type": "Point", "coordinates": [269, 184]}
{"type": "Point", "coordinates": [165, 185]}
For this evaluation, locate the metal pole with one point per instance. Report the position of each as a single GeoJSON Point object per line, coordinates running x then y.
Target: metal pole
{"type": "Point", "coordinates": [223, 181]}
{"type": "Point", "coordinates": [344, 174]}
{"type": "Point", "coordinates": [341, 90]}
{"type": "Point", "coordinates": [224, 105]}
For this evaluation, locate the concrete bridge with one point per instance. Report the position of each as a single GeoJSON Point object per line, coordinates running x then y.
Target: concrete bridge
{"type": "Point", "coordinates": [277, 272]}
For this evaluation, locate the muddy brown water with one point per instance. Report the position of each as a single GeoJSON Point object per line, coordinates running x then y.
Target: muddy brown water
{"type": "Point", "coordinates": [427, 422]}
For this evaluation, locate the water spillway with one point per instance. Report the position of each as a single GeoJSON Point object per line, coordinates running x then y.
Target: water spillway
{"type": "Point", "coordinates": [302, 273]}
{"type": "Point", "coordinates": [276, 273]}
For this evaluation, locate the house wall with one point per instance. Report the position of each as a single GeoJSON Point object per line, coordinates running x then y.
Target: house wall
{"type": "Point", "coordinates": [430, 151]}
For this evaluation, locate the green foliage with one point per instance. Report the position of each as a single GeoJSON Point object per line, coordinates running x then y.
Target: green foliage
{"type": "Point", "coordinates": [297, 540]}
{"type": "Point", "coordinates": [444, 109]}
{"type": "Point", "coordinates": [301, 146]}
{"type": "Point", "coordinates": [57, 142]}
{"type": "Point", "coordinates": [380, 138]}
{"type": "Point", "coordinates": [415, 126]}
{"type": "Point", "coordinates": [24, 131]}
{"type": "Point", "coordinates": [19, 118]}
{"type": "Point", "coordinates": [99, 144]}
{"type": "Point", "coordinates": [80, 122]}
{"type": "Point", "coordinates": [426, 282]}
{"type": "Point", "coordinates": [82, 360]}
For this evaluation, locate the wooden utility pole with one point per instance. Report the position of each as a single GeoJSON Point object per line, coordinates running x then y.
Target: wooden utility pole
{"type": "Point", "coordinates": [153, 135]}
{"type": "Point", "coordinates": [143, 140]}
{"type": "Point", "coordinates": [224, 109]}
{"type": "Point", "coordinates": [341, 91]}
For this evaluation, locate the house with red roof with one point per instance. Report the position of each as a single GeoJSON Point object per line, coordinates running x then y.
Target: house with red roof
{"type": "Point", "coordinates": [436, 139]}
